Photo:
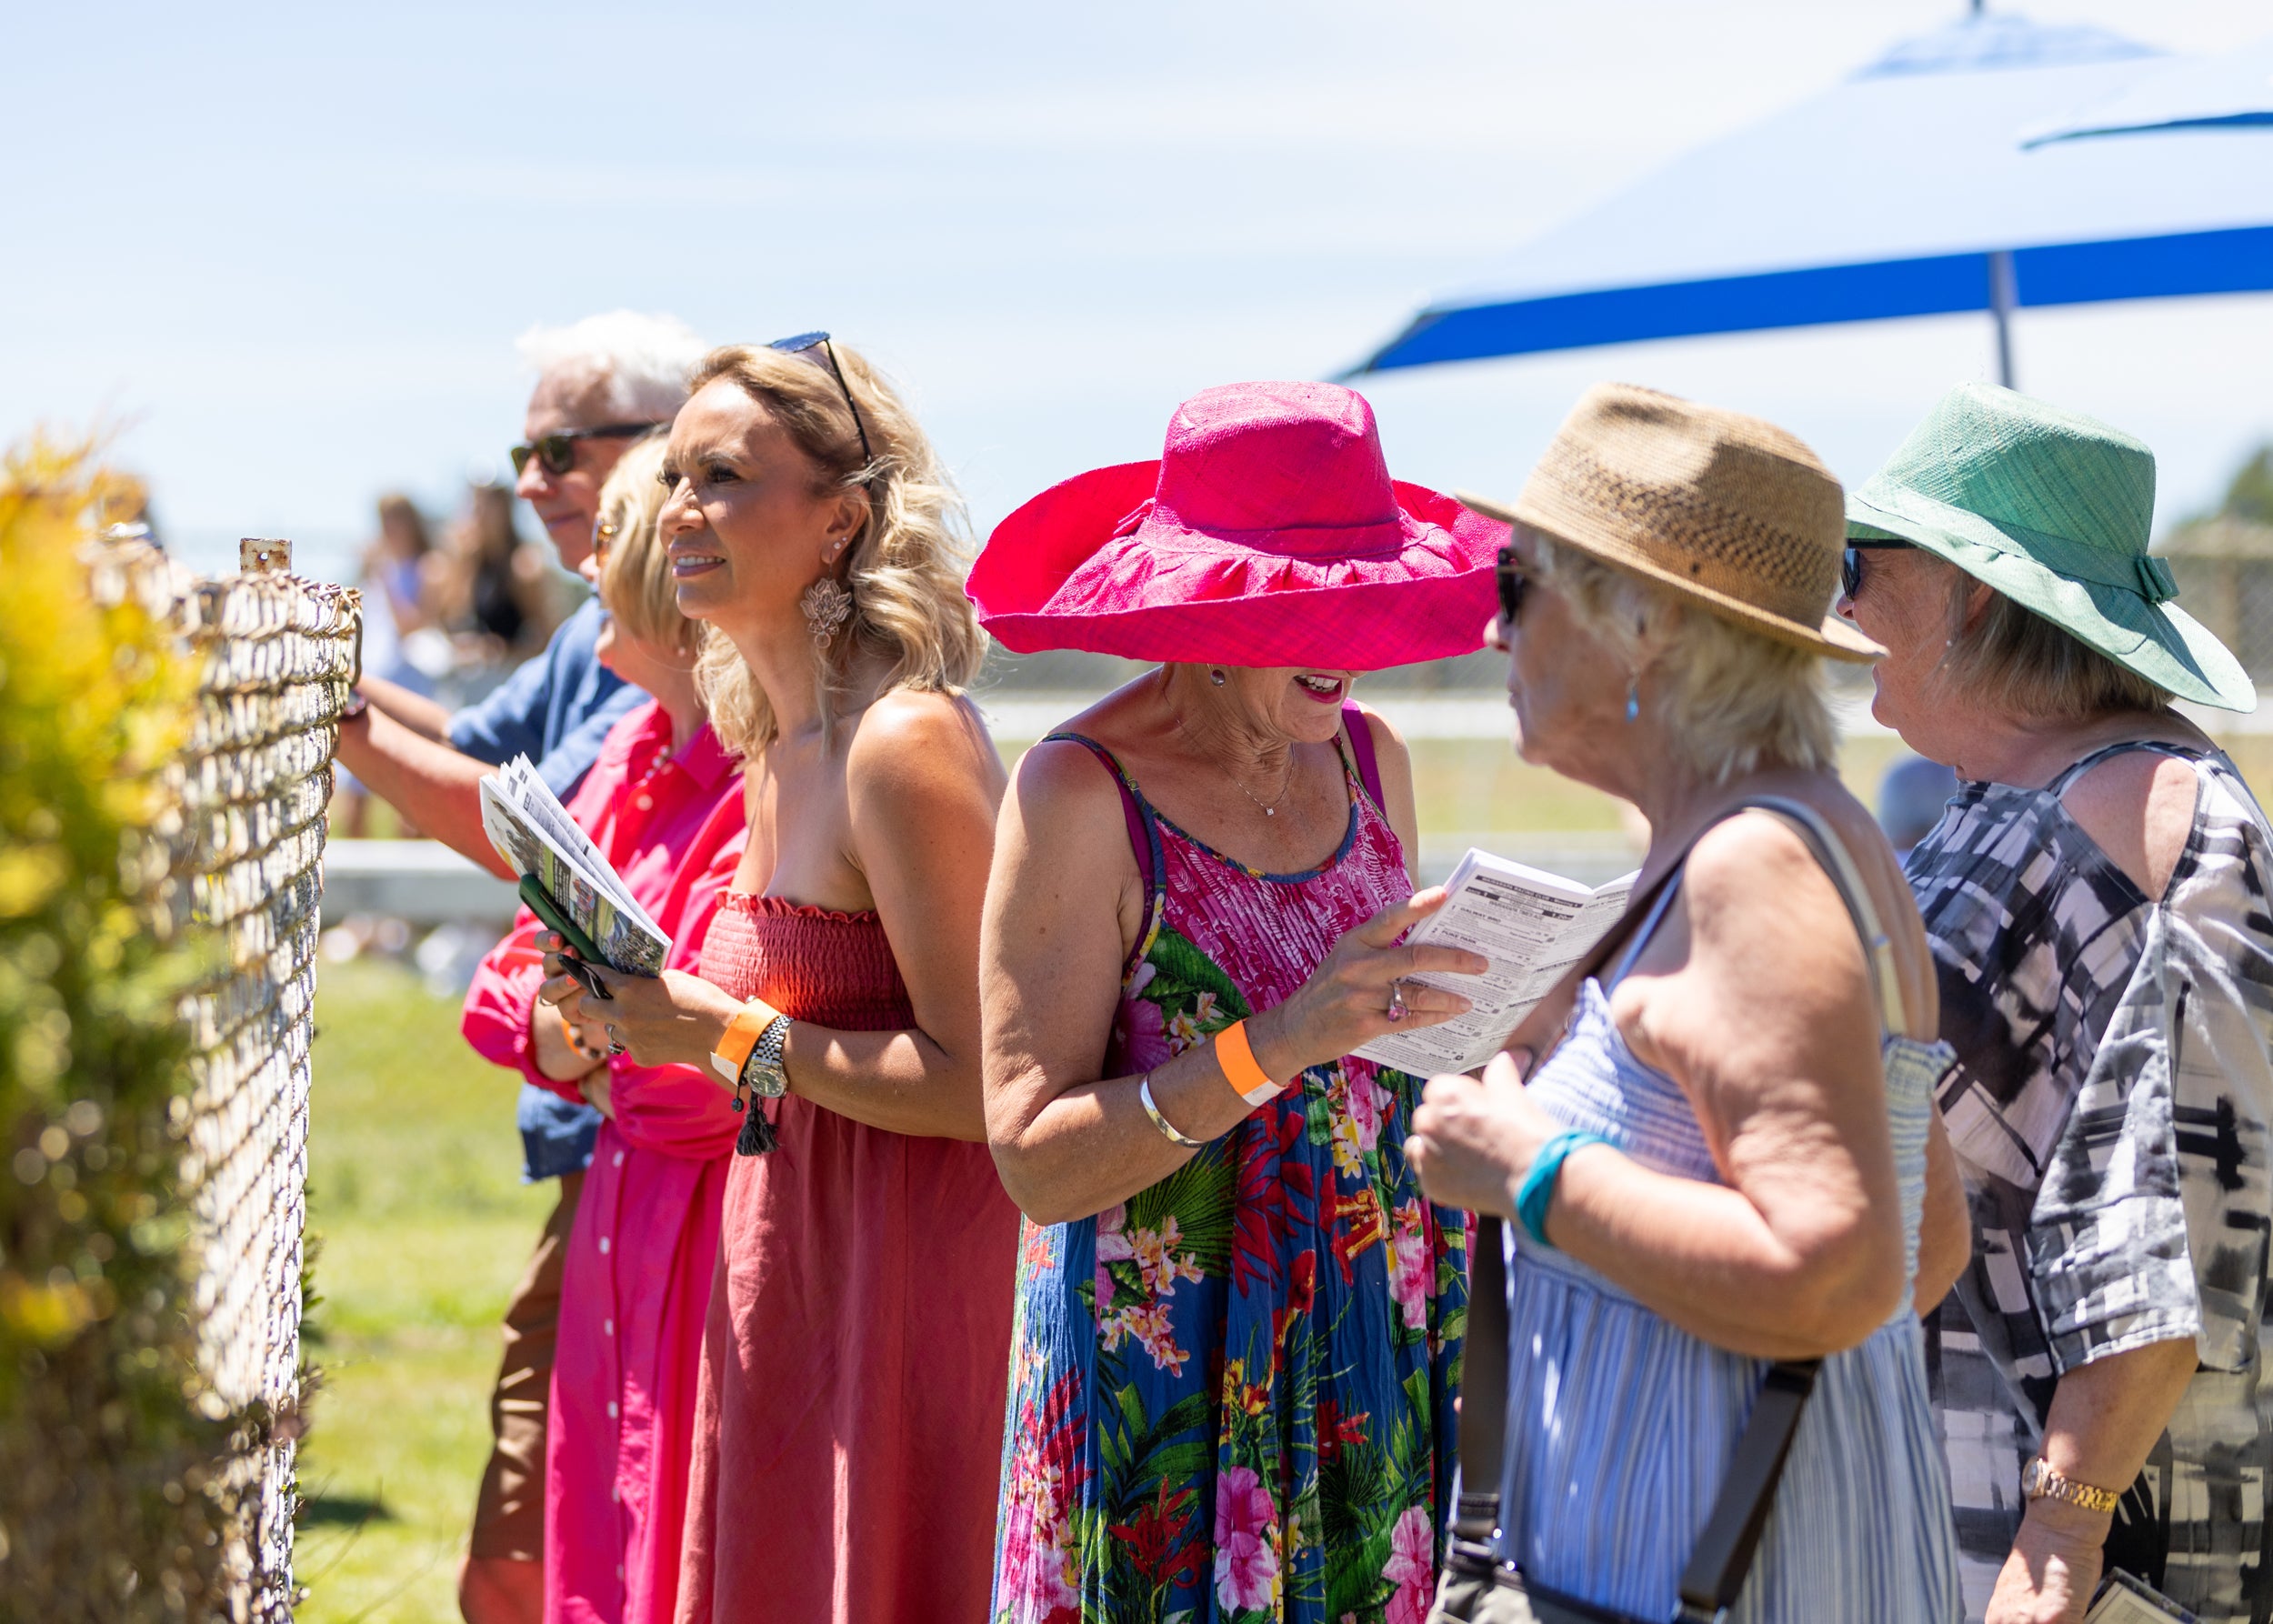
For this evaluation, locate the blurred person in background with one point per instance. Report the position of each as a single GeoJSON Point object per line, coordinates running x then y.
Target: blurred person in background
{"type": "Point", "coordinates": [1229, 1272]}
{"type": "Point", "coordinates": [494, 592]}
{"type": "Point", "coordinates": [1725, 1152]}
{"type": "Point", "coordinates": [397, 583]}
{"type": "Point", "coordinates": [601, 385]}
{"type": "Point", "coordinates": [1912, 795]}
{"type": "Point", "coordinates": [850, 1432]}
{"type": "Point", "coordinates": [663, 805]}
{"type": "Point", "coordinates": [400, 587]}
{"type": "Point", "coordinates": [2099, 898]}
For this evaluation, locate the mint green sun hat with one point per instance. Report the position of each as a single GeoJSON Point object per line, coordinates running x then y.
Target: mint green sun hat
{"type": "Point", "coordinates": [2052, 510]}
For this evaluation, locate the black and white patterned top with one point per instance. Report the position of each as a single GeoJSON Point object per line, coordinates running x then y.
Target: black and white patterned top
{"type": "Point", "coordinates": [2110, 1108]}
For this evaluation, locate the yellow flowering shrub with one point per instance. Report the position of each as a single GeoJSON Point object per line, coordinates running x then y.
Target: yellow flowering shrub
{"type": "Point", "coordinates": [109, 1506]}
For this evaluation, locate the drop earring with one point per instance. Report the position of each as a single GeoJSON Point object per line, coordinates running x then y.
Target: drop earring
{"type": "Point", "coordinates": [827, 606]}
{"type": "Point", "coordinates": [1634, 697]}
{"type": "Point", "coordinates": [1217, 676]}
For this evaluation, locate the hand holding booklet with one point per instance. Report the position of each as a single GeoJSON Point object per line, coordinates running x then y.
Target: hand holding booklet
{"type": "Point", "coordinates": [564, 879]}
{"type": "Point", "coordinates": [1532, 924]}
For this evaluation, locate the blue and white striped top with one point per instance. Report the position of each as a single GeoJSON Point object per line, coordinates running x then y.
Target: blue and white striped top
{"type": "Point", "coordinates": [1620, 1424]}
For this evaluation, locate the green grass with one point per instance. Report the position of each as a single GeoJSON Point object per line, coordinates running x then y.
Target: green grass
{"type": "Point", "coordinates": [1465, 785]}
{"type": "Point", "coordinates": [415, 1191]}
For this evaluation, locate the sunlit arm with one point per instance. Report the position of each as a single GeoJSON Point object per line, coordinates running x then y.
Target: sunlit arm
{"type": "Point", "coordinates": [432, 785]}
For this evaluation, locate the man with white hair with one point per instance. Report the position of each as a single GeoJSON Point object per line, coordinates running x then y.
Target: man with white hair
{"type": "Point", "coordinates": [602, 383]}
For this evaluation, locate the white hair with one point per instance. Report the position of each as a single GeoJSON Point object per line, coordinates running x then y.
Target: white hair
{"type": "Point", "coordinates": [639, 363]}
{"type": "Point", "coordinates": [1734, 700]}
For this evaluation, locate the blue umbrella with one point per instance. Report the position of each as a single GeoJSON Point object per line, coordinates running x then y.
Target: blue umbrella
{"type": "Point", "coordinates": [1905, 191]}
{"type": "Point", "coordinates": [2231, 89]}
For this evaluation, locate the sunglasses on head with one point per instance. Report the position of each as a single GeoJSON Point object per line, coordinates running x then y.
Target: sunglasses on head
{"type": "Point", "coordinates": [1851, 563]}
{"type": "Point", "coordinates": [805, 341]}
{"type": "Point", "coordinates": [1513, 585]}
{"type": "Point", "coordinates": [558, 453]}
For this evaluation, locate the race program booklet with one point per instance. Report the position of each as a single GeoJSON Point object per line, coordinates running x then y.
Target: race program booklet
{"type": "Point", "coordinates": [534, 833]}
{"type": "Point", "coordinates": [1532, 924]}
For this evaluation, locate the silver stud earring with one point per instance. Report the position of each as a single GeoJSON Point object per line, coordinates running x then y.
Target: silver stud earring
{"type": "Point", "coordinates": [1217, 677]}
{"type": "Point", "coordinates": [827, 606]}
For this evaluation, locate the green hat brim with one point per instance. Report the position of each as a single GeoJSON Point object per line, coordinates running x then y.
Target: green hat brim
{"type": "Point", "coordinates": [2159, 642]}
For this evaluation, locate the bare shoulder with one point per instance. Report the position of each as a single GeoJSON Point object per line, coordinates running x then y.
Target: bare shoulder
{"type": "Point", "coordinates": [907, 738]}
{"type": "Point", "coordinates": [2139, 807]}
{"type": "Point", "coordinates": [1064, 844]}
{"type": "Point", "coordinates": [1757, 957]}
{"type": "Point", "coordinates": [1389, 745]}
{"type": "Point", "coordinates": [1385, 736]}
{"type": "Point", "coordinates": [1060, 781]}
{"type": "Point", "coordinates": [1757, 884]}
{"type": "Point", "coordinates": [1754, 872]}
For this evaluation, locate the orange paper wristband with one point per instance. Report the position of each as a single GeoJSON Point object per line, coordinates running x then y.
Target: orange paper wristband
{"type": "Point", "coordinates": [1237, 1057]}
{"type": "Point", "coordinates": [748, 1025]}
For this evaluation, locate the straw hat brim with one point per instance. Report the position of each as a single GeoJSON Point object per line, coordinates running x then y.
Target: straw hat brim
{"type": "Point", "coordinates": [1833, 637]}
{"type": "Point", "coordinates": [2160, 642]}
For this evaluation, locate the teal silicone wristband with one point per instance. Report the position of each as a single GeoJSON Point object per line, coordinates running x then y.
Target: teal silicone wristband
{"type": "Point", "coordinates": [1537, 1190]}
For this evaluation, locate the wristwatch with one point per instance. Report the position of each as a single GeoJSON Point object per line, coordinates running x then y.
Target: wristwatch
{"type": "Point", "coordinates": [763, 1072]}
{"type": "Point", "coordinates": [356, 705]}
{"type": "Point", "coordinates": [2039, 1481]}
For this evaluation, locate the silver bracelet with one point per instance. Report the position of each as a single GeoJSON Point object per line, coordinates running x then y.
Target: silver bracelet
{"type": "Point", "coordinates": [1167, 1128]}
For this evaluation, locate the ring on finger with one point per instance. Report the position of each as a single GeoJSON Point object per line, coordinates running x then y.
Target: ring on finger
{"type": "Point", "coordinates": [1396, 999]}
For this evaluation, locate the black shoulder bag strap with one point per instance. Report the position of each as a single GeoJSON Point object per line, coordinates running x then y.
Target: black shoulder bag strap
{"type": "Point", "coordinates": [1722, 1558]}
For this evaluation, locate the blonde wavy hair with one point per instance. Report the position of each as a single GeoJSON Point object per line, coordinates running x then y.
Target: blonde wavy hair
{"type": "Point", "coordinates": [1732, 700]}
{"type": "Point", "coordinates": [906, 564]}
{"type": "Point", "coordinates": [634, 570]}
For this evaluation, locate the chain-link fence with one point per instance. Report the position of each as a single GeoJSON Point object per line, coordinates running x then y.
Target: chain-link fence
{"type": "Point", "coordinates": [2224, 569]}
{"type": "Point", "coordinates": [275, 658]}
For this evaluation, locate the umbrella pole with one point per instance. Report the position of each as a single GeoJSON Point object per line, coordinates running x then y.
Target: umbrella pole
{"type": "Point", "coordinates": [2003, 295]}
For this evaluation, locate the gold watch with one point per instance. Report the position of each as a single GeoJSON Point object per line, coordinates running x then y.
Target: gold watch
{"type": "Point", "coordinates": [2039, 1481]}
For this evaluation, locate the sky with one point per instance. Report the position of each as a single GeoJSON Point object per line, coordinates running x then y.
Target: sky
{"type": "Point", "coordinates": [282, 254]}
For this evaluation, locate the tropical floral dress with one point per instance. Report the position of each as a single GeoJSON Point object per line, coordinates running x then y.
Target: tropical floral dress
{"type": "Point", "coordinates": [1231, 1396]}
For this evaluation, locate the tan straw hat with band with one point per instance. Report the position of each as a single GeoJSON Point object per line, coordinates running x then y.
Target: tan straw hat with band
{"type": "Point", "coordinates": [1724, 509]}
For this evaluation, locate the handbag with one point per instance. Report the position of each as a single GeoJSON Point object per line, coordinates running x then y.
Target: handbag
{"type": "Point", "coordinates": [1474, 1586]}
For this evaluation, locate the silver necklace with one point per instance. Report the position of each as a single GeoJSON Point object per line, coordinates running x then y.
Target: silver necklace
{"type": "Point", "coordinates": [1271, 808]}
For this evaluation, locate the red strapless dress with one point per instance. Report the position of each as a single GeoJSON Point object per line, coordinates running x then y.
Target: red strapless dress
{"type": "Point", "coordinates": [848, 1430]}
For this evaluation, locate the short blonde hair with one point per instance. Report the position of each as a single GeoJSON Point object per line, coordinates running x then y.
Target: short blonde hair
{"type": "Point", "coordinates": [906, 564]}
{"type": "Point", "coordinates": [1732, 700]}
{"type": "Point", "coordinates": [2020, 662]}
{"type": "Point", "coordinates": [636, 583]}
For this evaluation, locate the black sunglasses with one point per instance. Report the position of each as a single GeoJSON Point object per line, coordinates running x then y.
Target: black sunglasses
{"type": "Point", "coordinates": [1513, 585]}
{"type": "Point", "coordinates": [1851, 563]}
{"type": "Point", "coordinates": [558, 453]}
{"type": "Point", "coordinates": [805, 341]}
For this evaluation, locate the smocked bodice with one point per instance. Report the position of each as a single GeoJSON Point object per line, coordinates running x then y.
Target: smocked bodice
{"type": "Point", "coordinates": [813, 964]}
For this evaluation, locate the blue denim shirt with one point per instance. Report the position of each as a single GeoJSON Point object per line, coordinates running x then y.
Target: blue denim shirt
{"type": "Point", "coordinates": [557, 711]}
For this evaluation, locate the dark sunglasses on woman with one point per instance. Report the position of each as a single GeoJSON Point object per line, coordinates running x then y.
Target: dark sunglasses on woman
{"type": "Point", "coordinates": [1852, 564]}
{"type": "Point", "coordinates": [1513, 585]}
{"type": "Point", "coordinates": [558, 453]}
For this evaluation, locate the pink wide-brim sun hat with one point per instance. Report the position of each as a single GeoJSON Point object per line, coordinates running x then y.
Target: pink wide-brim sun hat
{"type": "Point", "coordinates": [1268, 532]}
